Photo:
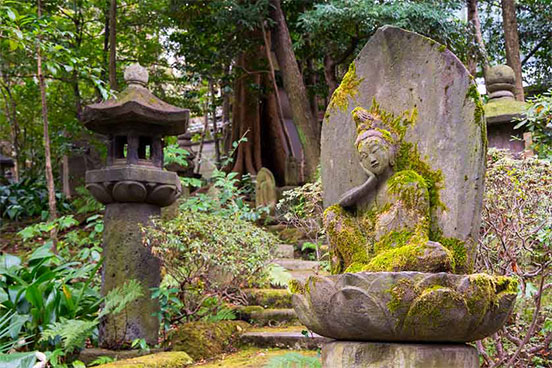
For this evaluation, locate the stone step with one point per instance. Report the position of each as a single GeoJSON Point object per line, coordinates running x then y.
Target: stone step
{"type": "Point", "coordinates": [302, 275]}
{"type": "Point", "coordinates": [252, 357]}
{"type": "Point", "coordinates": [283, 251]}
{"type": "Point", "coordinates": [296, 264]}
{"type": "Point", "coordinates": [289, 337]}
{"type": "Point", "coordinates": [269, 298]}
{"type": "Point", "coordinates": [266, 317]}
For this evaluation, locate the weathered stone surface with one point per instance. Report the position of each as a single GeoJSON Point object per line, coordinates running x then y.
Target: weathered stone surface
{"type": "Point", "coordinates": [445, 136]}
{"type": "Point", "coordinates": [287, 337]}
{"type": "Point", "coordinates": [168, 359]}
{"type": "Point", "coordinates": [126, 258]}
{"type": "Point", "coordinates": [87, 356]}
{"type": "Point", "coordinates": [274, 298]}
{"type": "Point", "coordinates": [134, 184]}
{"type": "Point", "coordinates": [206, 340]}
{"type": "Point", "coordinates": [404, 306]}
{"type": "Point", "coordinates": [348, 354]}
{"type": "Point", "coordinates": [265, 189]}
{"type": "Point", "coordinates": [502, 109]}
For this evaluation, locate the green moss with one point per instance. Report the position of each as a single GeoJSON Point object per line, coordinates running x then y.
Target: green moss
{"type": "Point", "coordinates": [393, 239]}
{"type": "Point", "coordinates": [457, 248]}
{"type": "Point", "coordinates": [409, 188]}
{"type": "Point", "coordinates": [396, 259]}
{"type": "Point", "coordinates": [408, 158]}
{"type": "Point", "coordinates": [503, 106]}
{"type": "Point", "coordinates": [348, 242]}
{"type": "Point", "coordinates": [442, 48]}
{"type": "Point", "coordinates": [169, 359]}
{"type": "Point", "coordinates": [398, 293]}
{"type": "Point", "coordinates": [295, 287]}
{"type": "Point", "coordinates": [346, 90]}
{"type": "Point", "coordinates": [273, 298]}
{"type": "Point", "coordinates": [205, 340]}
{"type": "Point", "coordinates": [432, 305]}
{"type": "Point", "coordinates": [479, 114]}
{"type": "Point", "coordinates": [253, 358]}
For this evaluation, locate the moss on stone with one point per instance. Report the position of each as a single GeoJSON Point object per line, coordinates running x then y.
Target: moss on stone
{"type": "Point", "coordinates": [169, 359]}
{"type": "Point", "coordinates": [503, 106]}
{"type": "Point", "coordinates": [295, 287]}
{"type": "Point", "coordinates": [346, 90]}
{"type": "Point", "coordinates": [348, 242]}
{"type": "Point", "coordinates": [442, 48]}
{"type": "Point", "coordinates": [408, 158]}
{"type": "Point", "coordinates": [409, 187]}
{"type": "Point", "coordinates": [252, 358]}
{"type": "Point", "coordinates": [202, 340]}
{"type": "Point", "coordinates": [396, 259]}
{"type": "Point", "coordinates": [273, 298]}
{"type": "Point", "coordinates": [479, 113]}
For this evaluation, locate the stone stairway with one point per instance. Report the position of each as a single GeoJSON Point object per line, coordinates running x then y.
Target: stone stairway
{"type": "Point", "coordinates": [271, 312]}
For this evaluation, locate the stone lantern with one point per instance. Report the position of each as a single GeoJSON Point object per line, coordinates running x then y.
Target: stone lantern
{"type": "Point", "coordinates": [502, 110]}
{"type": "Point", "coordinates": [134, 187]}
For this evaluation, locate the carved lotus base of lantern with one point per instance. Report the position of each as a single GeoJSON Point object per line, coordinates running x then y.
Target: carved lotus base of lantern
{"type": "Point", "coordinates": [405, 306]}
{"type": "Point", "coordinates": [136, 184]}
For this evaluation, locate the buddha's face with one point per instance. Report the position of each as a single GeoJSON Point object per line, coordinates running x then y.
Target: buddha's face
{"type": "Point", "coordinates": [375, 155]}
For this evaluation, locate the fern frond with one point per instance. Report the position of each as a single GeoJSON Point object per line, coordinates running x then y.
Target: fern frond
{"type": "Point", "coordinates": [278, 275]}
{"type": "Point", "coordinates": [118, 298]}
{"type": "Point", "coordinates": [72, 332]}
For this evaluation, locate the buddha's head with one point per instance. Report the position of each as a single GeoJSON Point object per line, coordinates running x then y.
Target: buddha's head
{"type": "Point", "coordinates": [376, 145]}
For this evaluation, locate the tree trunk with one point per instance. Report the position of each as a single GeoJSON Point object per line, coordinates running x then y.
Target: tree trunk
{"type": "Point", "coordinates": [330, 74]}
{"type": "Point", "coordinates": [295, 88]}
{"type": "Point", "coordinates": [216, 137]}
{"type": "Point", "coordinates": [113, 45]}
{"type": "Point", "coordinates": [11, 113]}
{"type": "Point", "coordinates": [473, 19]}
{"type": "Point", "coordinates": [511, 39]}
{"type": "Point", "coordinates": [255, 115]}
{"type": "Point", "coordinates": [47, 155]}
{"type": "Point", "coordinates": [312, 96]}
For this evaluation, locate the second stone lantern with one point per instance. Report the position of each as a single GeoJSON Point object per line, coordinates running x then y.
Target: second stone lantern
{"type": "Point", "coordinates": [134, 187]}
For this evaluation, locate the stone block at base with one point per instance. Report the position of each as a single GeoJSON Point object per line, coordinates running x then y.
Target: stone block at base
{"type": "Point", "coordinates": [348, 354]}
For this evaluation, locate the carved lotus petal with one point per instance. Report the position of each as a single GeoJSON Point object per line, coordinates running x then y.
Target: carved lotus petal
{"type": "Point", "coordinates": [405, 306]}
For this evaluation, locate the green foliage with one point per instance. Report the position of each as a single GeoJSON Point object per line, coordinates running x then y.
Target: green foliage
{"type": "Point", "coordinates": [44, 290]}
{"type": "Point", "coordinates": [118, 298]}
{"type": "Point", "coordinates": [28, 198]}
{"type": "Point", "coordinates": [516, 241]}
{"type": "Point", "coordinates": [175, 155]}
{"type": "Point", "coordinates": [71, 333]}
{"type": "Point", "coordinates": [294, 360]}
{"type": "Point", "coordinates": [278, 275]}
{"type": "Point", "coordinates": [538, 121]}
{"type": "Point", "coordinates": [205, 255]}
{"type": "Point", "coordinates": [101, 360]}
{"type": "Point", "coordinates": [18, 360]}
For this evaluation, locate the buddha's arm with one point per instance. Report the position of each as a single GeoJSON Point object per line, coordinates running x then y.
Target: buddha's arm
{"type": "Point", "coordinates": [353, 196]}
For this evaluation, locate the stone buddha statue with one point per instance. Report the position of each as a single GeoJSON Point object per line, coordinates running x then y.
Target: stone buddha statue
{"type": "Point", "coordinates": [384, 223]}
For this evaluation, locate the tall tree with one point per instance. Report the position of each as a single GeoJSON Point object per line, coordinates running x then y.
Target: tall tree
{"type": "Point", "coordinates": [473, 20]}
{"type": "Point", "coordinates": [306, 123]}
{"type": "Point", "coordinates": [511, 40]}
{"type": "Point", "coordinates": [47, 153]}
{"type": "Point", "coordinates": [113, 45]}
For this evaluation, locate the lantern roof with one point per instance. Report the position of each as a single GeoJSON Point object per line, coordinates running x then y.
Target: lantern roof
{"type": "Point", "coordinates": [136, 108]}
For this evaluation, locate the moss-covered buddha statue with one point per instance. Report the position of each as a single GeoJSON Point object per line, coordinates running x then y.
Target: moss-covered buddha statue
{"type": "Point", "coordinates": [403, 161]}
{"type": "Point", "coordinates": [393, 234]}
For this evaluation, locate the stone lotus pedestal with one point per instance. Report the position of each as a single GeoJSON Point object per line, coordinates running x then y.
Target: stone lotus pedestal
{"type": "Point", "coordinates": [134, 187]}
{"type": "Point", "coordinates": [402, 155]}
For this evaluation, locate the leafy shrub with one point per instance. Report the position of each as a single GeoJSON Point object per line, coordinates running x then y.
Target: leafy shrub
{"type": "Point", "coordinates": [538, 121]}
{"type": "Point", "coordinates": [28, 198]}
{"type": "Point", "coordinates": [208, 255]}
{"type": "Point", "coordinates": [516, 240]}
{"type": "Point", "coordinates": [302, 208]}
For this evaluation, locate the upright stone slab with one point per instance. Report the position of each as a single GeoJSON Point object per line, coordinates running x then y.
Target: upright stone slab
{"type": "Point", "coordinates": [134, 187]}
{"type": "Point", "coordinates": [265, 189]}
{"type": "Point", "coordinates": [404, 71]}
